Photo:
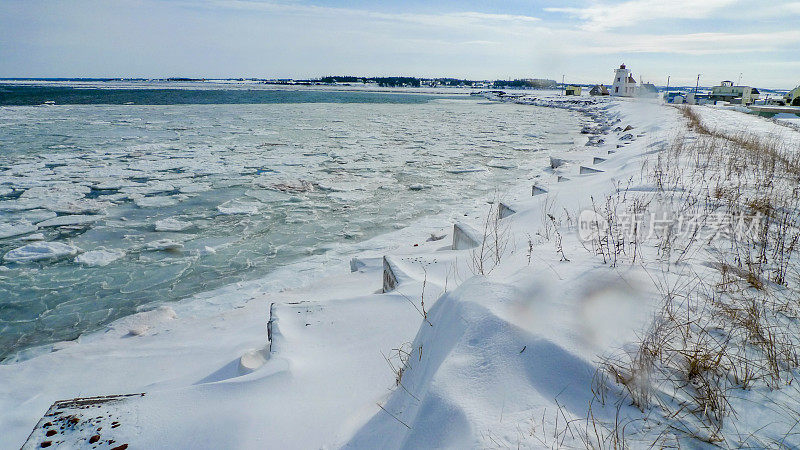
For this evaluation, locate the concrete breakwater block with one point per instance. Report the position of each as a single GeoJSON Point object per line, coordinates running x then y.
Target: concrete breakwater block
{"type": "Point", "coordinates": [589, 170]}
{"type": "Point", "coordinates": [361, 264]}
{"type": "Point", "coordinates": [536, 190]}
{"type": "Point", "coordinates": [253, 359]}
{"type": "Point", "coordinates": [392, 274]}
{"type": "Point", "coordinates": [465, 237]}
{"type": "Point", "coordinates": [390, 280]}
{"type": "Point", "coordinates": [555, 163]}
{"type": "Point", "coordinates": [597, 160]}
{"type": "Point", "coordinates": [272, 327]}
{"type": "Point", "coordinates": [504, 210]}
{"type": "Point", "coordinates": [562, 179]}
{"type": "Point", "coordinates": [395, 273]}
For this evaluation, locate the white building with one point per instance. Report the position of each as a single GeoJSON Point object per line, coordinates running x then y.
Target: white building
{"type": "Point", "coordinates": [624, 85]}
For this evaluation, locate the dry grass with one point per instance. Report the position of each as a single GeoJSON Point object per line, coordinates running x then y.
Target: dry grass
{"type": "Point", "coordinates": [732, 327]}
{"type": "Point", "coordinates": [494, 242]}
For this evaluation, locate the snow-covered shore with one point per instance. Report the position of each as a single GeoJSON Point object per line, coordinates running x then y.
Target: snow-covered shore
{"type": "Point", "coordinates": [494, 345]}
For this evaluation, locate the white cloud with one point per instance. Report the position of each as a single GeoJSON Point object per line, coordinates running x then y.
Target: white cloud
{"type": "Point", "coordinates": [606, 16]}
{"type": "Point", "coordinates": [455, 19]}
{"type": "Point", "coordinates": [268, 39]}
{"type": "Point", "coordinates": [692, 44]}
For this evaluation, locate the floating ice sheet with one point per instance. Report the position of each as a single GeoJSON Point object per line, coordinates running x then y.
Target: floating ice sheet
{"type": "Point", "coordinates": [40, 251]}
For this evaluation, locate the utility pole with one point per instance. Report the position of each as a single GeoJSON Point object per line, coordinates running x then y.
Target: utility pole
{"type": "Point", "coordinates": [739, 81]}
{"type": "Point", "coordinates": [697, 86]}
{"type": "Point", "coordinates": [563, 86]}
{"type": "Point", "coordinates": [668, 83]}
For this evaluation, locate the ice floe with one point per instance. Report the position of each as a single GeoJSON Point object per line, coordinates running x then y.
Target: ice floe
{"type": "Point", "coordinates": [238, 207]}
{"type": "Point", "coordinates": [194, 188]}
{"type": "Point", "coordinates": [81, 206]}
{"type": "Point", "coordinates": [8, 230]}
{"type": "Point", "coordinates": [73, 219]}
{"type": "Point", "coordinates": [172, 224]}
{"type": "Point", "coordinates": [457, 170]}
{"type": "Point", "coordinates": [164, 244]}
{"type": "Point", "coordinates": [99, 258]}
{"type": "Point", "coordinates": [20, 204]}
{"type": "Point", "coordinates": [155, 202]}
{"type": "Point", "coordinates": [502, 165]}
{"type": "Point", "coordinates": [40, 251]}
{"type": "Point", "coordinates": [35, 215]}
{"type": "Point", "coordinates": [57, 193]}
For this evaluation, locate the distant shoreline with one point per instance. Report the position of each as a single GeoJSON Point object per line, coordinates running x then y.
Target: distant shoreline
{"type": "Point", "coordinates": [247, 85]}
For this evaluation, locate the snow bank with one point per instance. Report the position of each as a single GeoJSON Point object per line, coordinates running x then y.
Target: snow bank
{"type": "Point", "coordinates": [446, 357]}
{"type": "Point", "coordinates": [496, 355]}
{"type": "Point", "coordinates": [140, 323]}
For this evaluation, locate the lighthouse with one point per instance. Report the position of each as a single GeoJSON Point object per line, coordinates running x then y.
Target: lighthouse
{"type": "Point", "coordinates": [624, 85]}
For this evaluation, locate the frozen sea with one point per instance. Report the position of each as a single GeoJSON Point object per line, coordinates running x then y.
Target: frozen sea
{"type": "Point", "coordinates": [108, 206]}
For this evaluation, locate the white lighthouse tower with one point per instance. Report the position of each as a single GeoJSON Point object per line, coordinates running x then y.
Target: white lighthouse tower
{"type": "Point", "coordinates": [624, 85]}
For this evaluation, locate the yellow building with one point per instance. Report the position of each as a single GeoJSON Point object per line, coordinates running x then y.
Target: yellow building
{"type": "Point", "coordinates": [572, 90]}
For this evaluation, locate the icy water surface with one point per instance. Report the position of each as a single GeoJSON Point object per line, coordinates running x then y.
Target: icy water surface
{"type": "Point", "coordinates": [104, 208]}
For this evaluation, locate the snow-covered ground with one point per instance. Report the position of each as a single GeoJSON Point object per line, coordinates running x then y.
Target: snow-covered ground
{"type": "Point", "coordinates": [491, 338]}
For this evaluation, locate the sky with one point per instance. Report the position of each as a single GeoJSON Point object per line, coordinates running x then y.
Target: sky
{"type": "Point", "coordinates": [756, 41]}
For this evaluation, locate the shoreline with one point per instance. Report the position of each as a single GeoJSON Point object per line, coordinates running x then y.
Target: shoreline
{"type": "Point", "coordinates": [331, 294]}
{"type": "Point", "coordinates": [211, 85]}
{"type": "Point", "coordinates": [313, 268]}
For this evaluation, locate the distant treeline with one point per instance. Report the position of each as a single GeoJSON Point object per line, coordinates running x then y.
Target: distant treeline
{"type": "Point", "coordinates": [537, 83]}
{"type": "Point", "coordinates": [382, 81]}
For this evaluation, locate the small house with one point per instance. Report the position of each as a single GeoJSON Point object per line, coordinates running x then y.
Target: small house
{"type": "Point", "coordinates": [647, 90]}
{"type": "Point", "coordinates": [694, 98]}
{"type": "Point", "coordinates": [675, 97]}
{"type": "Point", "coordinates": [572, 90]}
{"type": "Point", "coordinates": [727, 92]}
{"type": "Point", "coordinates": [599, 90]}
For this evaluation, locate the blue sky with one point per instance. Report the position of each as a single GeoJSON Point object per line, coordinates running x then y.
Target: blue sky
{"type": "Point", "coordinates": [583, 40]}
